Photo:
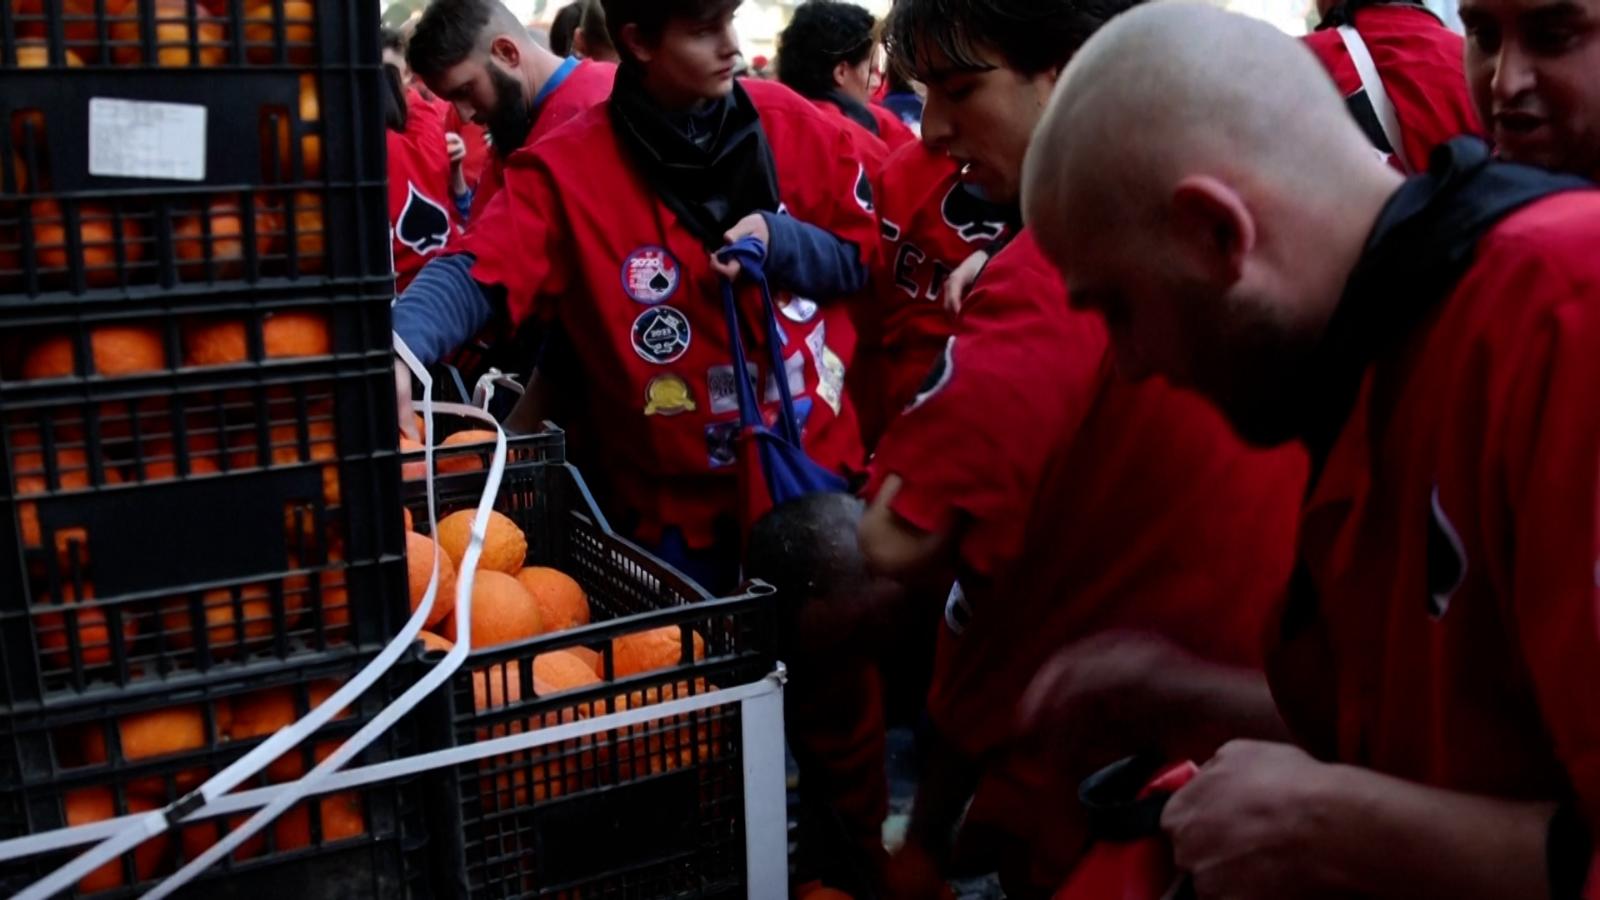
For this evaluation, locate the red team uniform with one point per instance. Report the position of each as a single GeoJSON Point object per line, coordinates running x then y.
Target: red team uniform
{"type": "Point", "coordinates": [930, 223]}
{"type": "Point", "coordinates": [1448, 548]}
{"type": "Point", "coordinates": [1419, 61]}
{"type": "Point", "coordinates": [632, 287]}
{"type": "Point", "coordinates": [422, 215]}
{"type": "Point", "coordinates": [1146, 512]}
{"type": "Point", "coordinates": [574, 88]}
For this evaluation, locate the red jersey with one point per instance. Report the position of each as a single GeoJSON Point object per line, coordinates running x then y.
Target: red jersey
{"type": "Point", "coordinates": [931, 222]}
{"type": "Point", "coordinates": [584, 85]}
{"type": "Point", "coordinates": [1451, 540]}
{"type": "Point", "coordinates": [635, 293]}
{"type": "Point", "coordinates": [1127, 506]}
{"type": "Point", "coordinates": [474, 137]}
{"type": "Point", "coordinates": [1419, 61]}
{"type": "Point", "coordinates": [422, 214]}
{"type": "Point", "coordinates": [970, 449]}
{"type": "Point", "coordinates": [893, 132]}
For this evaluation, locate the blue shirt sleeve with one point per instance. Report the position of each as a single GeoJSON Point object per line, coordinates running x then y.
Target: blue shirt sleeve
{"type": "Point", "coordinates": [464, 204]}
{"type": "Point", "coordinates": [442, 308]}
{"type": "Point", "coordinates": [811, 261]}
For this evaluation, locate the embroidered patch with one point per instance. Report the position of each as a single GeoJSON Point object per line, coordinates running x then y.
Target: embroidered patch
{"type": "Point", "coordinates": [667, 395]}
{"type": "Point", "coordinates": [795, 374]}
{"type": "Point", "coordinates": [650, 275]}
{"type": "Point", "coordinates": [720, 441]}
{"type": "Point", "coordinates": [424, 225]}
{"type": "Point", "coordinates": [799, 310]}
{"type": "Point", "coordinates": [972, 217]}
{"type": "Point", "coordinates": [661, 335]}
{"type": "Point", "coordinates": [944, 368]}
{"type": "Point", "coordinates": [830, 379]}
{"type": "Point", "coordinates": [723, 391]}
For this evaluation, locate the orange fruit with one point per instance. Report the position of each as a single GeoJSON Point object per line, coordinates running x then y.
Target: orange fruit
{"type": "Point", "coordinates": [339, 815]}
{"type": "Point", "coordinates": [197, 839]}
{"type": "Point", "coordinates": [591, 658]}
{"type": "Point", "coordinates": [226, 222]}
{"type": "Point", "coordinates": [173, 35]}
{"type": "Point", "coordinates": [93, 631]}
{"type": "Point", "coordinates": [79, 18]}
{"type": "Point", "coordinates": [35, 54]}
{"type": "Point", "coordinates": [299, 20]}
{"type": "Point", "coordinates": [226, 617]}
{"type": "Point", "coordinates": [405, 516]}
{"type": "Point", "coordinates": [505, 777]}
{"type": "Point", "coordinates": [96, 804]}
{"type": "Point", "coordinates": [432, 642]}
{"type": "Point", "coordinates": [72, 474]}
{"type": "Point", "coordinates": [563, 670]}
{"type": "Point", "coordinates": [162, 732]}
{"type": "Point", "coordinates": [286, 451]}
{"type": "Point", "coordinates": [562, 603]}
{"type": "Point", "coordinates": [284, 335]}
{"type": "Point", "coordinates": [309, 247]}
{"type": "Point", "coordinates": [465, 463]}
{"type": "Point", "coordinates": [505, 547]}
{"type": "Point", "coordinates": [167, 469]}
{"type": "Point", "coordinates": [502, 612]}
{"type": "Point", "coordinates": [646, 651]}
{"type": "Point", "coordinates": [116, 350]}
{"type": "Point", "coordinates": [665, 744]}
{"type": "Point", "coordinates": [419, 568]}
{"type": "Point", "coordinates": [335, 599]}
{"type": "Point", "coordinates": [412, 471]}
{"type": "Point", "coordinates": [98, 235]}
{"type": "Point", "coordinates": [263, 713]}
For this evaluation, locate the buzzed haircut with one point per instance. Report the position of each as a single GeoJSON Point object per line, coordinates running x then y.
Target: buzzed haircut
{"type": "Point", "coordinates": [563, 27]}
{"type": "Point", "coordinates": [451, 30]}
{"type": "Point", "coordinates": [807, 548]}
{"type": "Point", "coordinates": [651, 16]}
{"type": "Point", "coordinates": [822, 34]}
{"type": "Point", "coordinates": [1032, 36]}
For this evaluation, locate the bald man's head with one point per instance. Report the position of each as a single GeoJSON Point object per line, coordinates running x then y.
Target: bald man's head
{"type": "Point", "coordinates": [1199, 183]}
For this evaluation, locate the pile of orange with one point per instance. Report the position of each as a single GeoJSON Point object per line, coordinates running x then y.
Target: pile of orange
{"type": "Point", "coordinates": [284, 335]}
{"type": "Point", "coordinates": [114, 351]}
{"type": "Point", "coordinates": [189, 729]}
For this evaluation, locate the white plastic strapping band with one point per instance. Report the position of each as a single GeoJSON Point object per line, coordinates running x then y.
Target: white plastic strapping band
{"type": "Point", "coordinates": [147, 825]}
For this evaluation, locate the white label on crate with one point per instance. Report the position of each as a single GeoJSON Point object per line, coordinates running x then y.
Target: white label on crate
{"type": "Point", "coordinates": [136, 139]}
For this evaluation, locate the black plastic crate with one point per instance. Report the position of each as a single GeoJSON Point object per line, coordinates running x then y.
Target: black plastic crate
{"type": "Point", "coordinates": [654, 810]}
{"type": "Point", "coordinates": [198, 519]}
{"type": "Point", "coordinates": [292, 187]}
{"type": "Point", "coordinates": [366, 842]}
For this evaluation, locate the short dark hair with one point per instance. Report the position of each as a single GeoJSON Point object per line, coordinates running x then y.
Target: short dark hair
{"type": "Point", "coordinates": [451, 30]}
{"type": "Point", "coordinates": [393, 39]}
{"type": "Point", "coordinates": [1032, 36]}
{"type": "Point", "coordinates": [651, 16]}
{"type": "Point", "coordinates": [596, 36]}
{"type": "Point", "coordinates": [563, 27]}
{"type": "Point", "coordinates": [822, 34]}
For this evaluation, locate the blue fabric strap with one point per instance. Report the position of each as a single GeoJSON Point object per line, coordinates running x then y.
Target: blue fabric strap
{"type": "Point", "coordinates": [750, 253]}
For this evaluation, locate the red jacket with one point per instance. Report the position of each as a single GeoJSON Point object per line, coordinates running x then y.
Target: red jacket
{"type": "Point", "coordinates": [893, 132]}
{"type": "Point", "coordinates": [971, 447]}
{"type": "Point", "coordinates": [1420, 63]}
{"type": "Point", "coordinates": [1125, 506]}
{"type": "Point", "coordinates": [930, 223]}
{"type": "Point", "coordinates": [587, 85]}
{"type": "Point", "coordinates": [1451, 540]}
{"type": "Point", "coordinates": [422, 214]}
{"type": "Point", "coordinates": [635, 293]}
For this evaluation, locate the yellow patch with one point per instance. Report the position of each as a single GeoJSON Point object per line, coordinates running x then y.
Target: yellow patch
{"type": "Point", "coordinates": [667, 395]}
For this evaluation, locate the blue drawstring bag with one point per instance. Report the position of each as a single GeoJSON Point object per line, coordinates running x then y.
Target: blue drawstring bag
{"type": "Point", "coordinates": [773, 467]}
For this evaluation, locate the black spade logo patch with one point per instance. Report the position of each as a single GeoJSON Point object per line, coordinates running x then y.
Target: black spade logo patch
{"type": "Point", "coordinates": [1447, 558]}
{"type": "Point", "coordinates": [424, 225]}
{"type": "Point", "coordinates": [971, 216]}
{"type": "Point", "coordinates": [863, 189]}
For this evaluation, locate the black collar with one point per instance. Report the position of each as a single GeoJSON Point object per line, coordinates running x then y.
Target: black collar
{"type": "Point", "coordinates": [1421, 246]}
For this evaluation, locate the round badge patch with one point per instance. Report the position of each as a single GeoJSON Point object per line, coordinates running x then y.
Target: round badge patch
{"type": "Point", "coordinates": [799, 310]}
{"type": "Point", "coordinates": [650, 275]}
{"type": "Point", "coordinates": [661, 335]}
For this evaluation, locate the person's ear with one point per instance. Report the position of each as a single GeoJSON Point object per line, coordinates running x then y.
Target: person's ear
{"type": "Point", "coordinates": [841, 73]}
{"type": "Point", "coordinates": [1044, 84]}
{"type": "Point", "coordinates": [1214, 226]}
{"type": "Point", "coordinates": [505, 51]}
{"type": "Point", "coordinates": [635, 44]}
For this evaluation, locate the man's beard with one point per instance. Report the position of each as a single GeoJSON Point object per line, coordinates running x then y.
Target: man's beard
{"type": "Point", "coordinates": [511, 120]}
{"type": "Point", "coordinates": [1257, 374]}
